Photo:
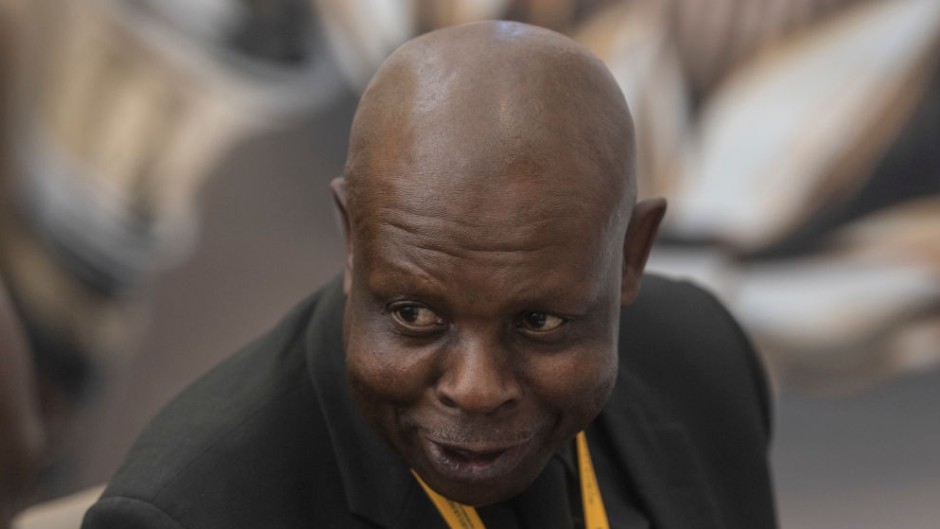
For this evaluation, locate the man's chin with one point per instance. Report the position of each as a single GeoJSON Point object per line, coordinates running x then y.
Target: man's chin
{"type": "Point", "coordinates": [476, 494]}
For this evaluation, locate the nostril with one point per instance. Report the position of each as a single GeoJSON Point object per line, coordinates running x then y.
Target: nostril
{"type": "Point", "coordinates": [447, 401]}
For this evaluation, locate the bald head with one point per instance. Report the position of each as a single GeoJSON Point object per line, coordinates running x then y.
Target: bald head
{"type": "Point", "coordinates": [472, 108]}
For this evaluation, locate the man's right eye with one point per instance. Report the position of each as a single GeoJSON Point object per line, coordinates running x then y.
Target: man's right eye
{"type": "Point", "coordinates": [415, 317]}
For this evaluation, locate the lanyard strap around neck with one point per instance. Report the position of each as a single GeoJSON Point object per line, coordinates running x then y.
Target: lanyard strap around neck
{"type": "Point", "coordinates": [460, 516]}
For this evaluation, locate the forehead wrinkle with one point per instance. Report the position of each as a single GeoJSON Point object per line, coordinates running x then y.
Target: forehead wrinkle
{"type": "Point", "coordinates": [447, 287]}
{"type": "Point", "coordinates": [441, 243]}
{"type": "Point", "coordinates": [496, 192]}
{"type": "Point", "coordinates": [459, 236]}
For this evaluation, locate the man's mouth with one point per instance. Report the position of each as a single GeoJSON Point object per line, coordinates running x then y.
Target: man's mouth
{"type": "Point", "coordinates": [473, 464]}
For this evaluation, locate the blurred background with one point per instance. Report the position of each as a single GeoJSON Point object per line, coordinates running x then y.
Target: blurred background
{"type": "Point", "coordinates": [163, 200]}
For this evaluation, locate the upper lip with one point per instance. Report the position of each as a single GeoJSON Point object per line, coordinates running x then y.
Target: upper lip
{"type": "Point", "coordinates": [474, 461]}
{"type": "Point", "coordinates": [477, 448]}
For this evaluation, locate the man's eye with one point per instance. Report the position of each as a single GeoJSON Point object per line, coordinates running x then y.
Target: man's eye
{"type": "Point", "coordinates": [540, 321]}
{"type": "Point", "coordinates": [416, 316]}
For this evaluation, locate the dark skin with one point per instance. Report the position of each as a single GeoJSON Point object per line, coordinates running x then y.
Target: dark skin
{"type": "Point", "coordinates": [492, 237]}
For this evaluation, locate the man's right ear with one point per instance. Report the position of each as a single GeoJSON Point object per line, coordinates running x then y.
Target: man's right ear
{"type": "Point", "coordinates": [338, 188]}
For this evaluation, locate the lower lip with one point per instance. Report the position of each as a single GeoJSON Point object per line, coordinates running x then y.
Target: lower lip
{"type": "Point", "coordinates": [459, 465]}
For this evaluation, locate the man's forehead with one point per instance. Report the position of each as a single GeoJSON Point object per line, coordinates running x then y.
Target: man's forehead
{"type": "Point", "coordinates": [526, 245]}
{"type": "Point", "coordinates": [489, 194]}
{"type": "Point", "coordinates": [500, 198]}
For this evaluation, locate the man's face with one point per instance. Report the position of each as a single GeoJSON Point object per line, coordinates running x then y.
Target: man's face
{"type": "Point", "coordinates": [481, 328]}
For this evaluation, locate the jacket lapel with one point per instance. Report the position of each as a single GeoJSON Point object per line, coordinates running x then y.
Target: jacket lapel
{"type": "Point", "coordinates": [659, 460]}
{"type": "Point", "coordinates": [418, 511]}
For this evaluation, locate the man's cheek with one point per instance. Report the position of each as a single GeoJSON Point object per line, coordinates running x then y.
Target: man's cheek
{"type": "Point", "coordinates": [570, 377]}
{"type": "Point", "coordinates": [386, 374]}
{"type": "Point", "coordinates": [368, 375]}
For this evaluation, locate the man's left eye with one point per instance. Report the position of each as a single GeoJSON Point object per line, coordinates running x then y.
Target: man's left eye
{"type": "Point", "coordinates": [539, 321]}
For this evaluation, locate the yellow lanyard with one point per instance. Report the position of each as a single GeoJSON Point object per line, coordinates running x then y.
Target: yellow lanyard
{"type": "Point", "coordinates": [460, 516]}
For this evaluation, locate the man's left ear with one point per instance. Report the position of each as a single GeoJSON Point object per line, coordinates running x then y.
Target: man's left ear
{"type": "Point", "coordinates": [644, 223]}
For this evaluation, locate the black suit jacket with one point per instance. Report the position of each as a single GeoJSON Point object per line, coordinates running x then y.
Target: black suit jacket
{"type": "Point", "coordinates": [271, 437]}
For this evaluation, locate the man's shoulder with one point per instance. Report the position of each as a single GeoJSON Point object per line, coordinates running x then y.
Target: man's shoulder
{"type": "Point", "coordinates": [233, 438]}
{"type": "Point", "coordinates": [691, 373]}
{"type": "Point", "coordinates": [684, 344]}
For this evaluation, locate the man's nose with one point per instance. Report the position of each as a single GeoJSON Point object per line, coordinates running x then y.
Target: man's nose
{"type": "Point", "coordinates": [479, 378]}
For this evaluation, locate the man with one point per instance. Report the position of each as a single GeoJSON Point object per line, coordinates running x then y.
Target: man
{"type": "Point", "coordinates": [490, 310]}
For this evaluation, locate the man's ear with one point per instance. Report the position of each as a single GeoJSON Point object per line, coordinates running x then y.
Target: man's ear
{"type": "Point", "coordinates": [644, 223]}
{"type": "Point", "coordinates": [338, 188]}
